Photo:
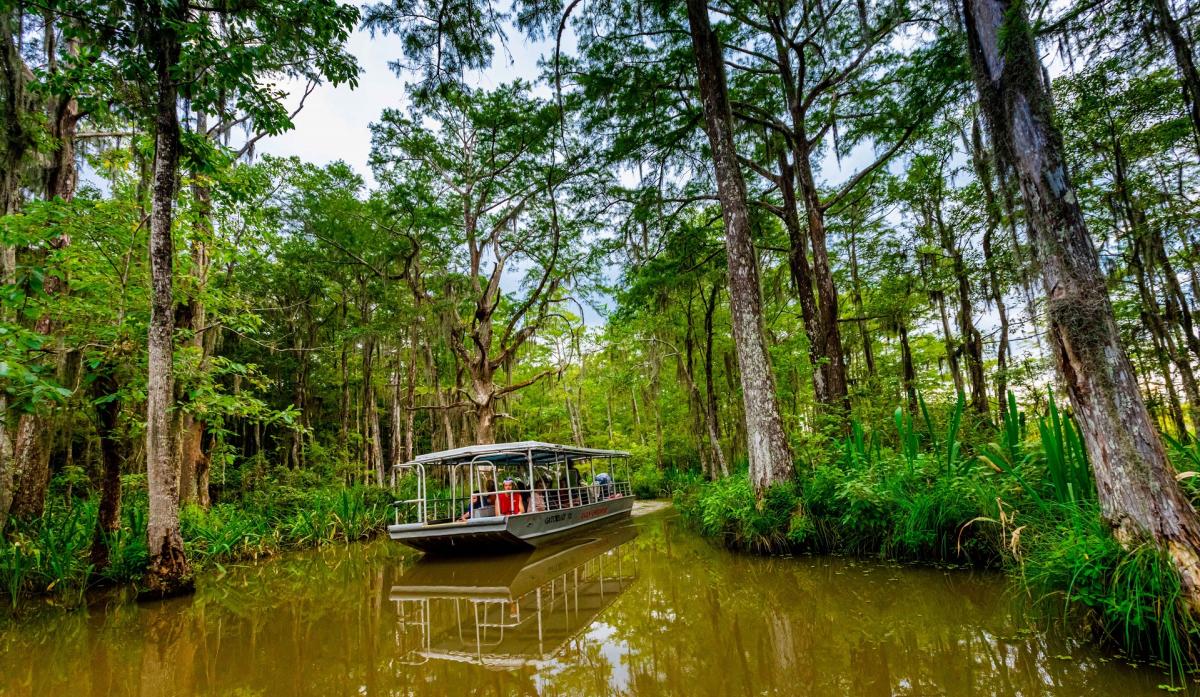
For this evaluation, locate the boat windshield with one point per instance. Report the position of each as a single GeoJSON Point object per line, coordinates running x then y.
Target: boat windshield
{"type": "Point", "coordinates": [486, 481]}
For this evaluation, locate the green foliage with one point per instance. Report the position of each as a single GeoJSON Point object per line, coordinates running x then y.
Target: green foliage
{"type": "Point", "coordinates": [951, 448]}
{"type": "Point", "coordinates": [1073, 566]}
{"type": "Point", "coordinates": [1065, 458]}
{"type": "Point", "coordinates": [1055, 472]}
{"type": "Point", "coordinates": [1033, 511]}
{"type": "Point", "coordinates": [51, 555]}
{"type": "Point", "coordinates": [728, 510]}
{"type": "Point", "coordinates": [323, 299]}
{"type": "Point", "coordinates": [859, 449]}
{"type": "Point", "coordinates": [910, 441]}
{"type": "Point", "coordinates": [650, 482]}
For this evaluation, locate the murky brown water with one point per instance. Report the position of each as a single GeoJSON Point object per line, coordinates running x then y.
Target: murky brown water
{"type": "Point", "coordinates": [646, 610]}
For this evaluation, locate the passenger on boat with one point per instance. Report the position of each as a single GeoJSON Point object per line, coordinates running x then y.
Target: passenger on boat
{"type": "Point", "coordinates": [604, 482]}
{"type": "Point", "coordinates": [479, 502]}
{"type": "Point", "coordinates": [509, 502]}
{"type": "Point", "coordinates": [541, 494]}
{"type": "Point", "coordinates": [524, 493]}
{"type": "Point", "coordinates": [575, 480]}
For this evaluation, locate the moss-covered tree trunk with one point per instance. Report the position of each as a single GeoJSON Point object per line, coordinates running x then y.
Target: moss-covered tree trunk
{"type": "Point", "coordinates": [34, 430]}
{"type": "Point", "coordinates": [712, 414]}
{"type": "Point", "coordinates": [169, 572]}
{"type": "Point", "coordinates": [1138, 493]}
{"type": "Point", "coordinates": [770, 455]}
{"type": "Point", "coordinates": [15, 143]}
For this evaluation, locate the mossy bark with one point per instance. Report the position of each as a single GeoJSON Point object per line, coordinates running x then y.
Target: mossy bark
{"type": "Point", "coordinates": [770, 454]}
{"type": "Point", "coordinates": [15, 143]}
{"type": "Point", "coordinates": [1138, 494]}
{"type": "Point", "coordinates": [169, 572]}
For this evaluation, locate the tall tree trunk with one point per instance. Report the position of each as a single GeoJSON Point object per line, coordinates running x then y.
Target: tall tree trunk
{"type": "Point", "coordinates": [1138, 493]}
{"type": "Point", "coordinates": [168, 572]}
{"type": "Point", "coordinates": [410, 396]}
{"type": "Point", "coordinates": [1190, 388]}
{"type": "Point", "coordinates": [32, 450]}
{"type": "Point", "coordinates": [344, 395]}
{"type": "Point", "coordinates": [193, 464]}
{"type": "Point", "coordinates": [573, 418]}
{"type": "Point", "coordinates": [637, 415]}
{"type": "Point", "coordinates": [108, 515]}
{"type": "Point", "coordinates": [1174, 408]}
{"type": "Point", "coordinates": [770, 455]}
{"type": "Point", "coordinates": [864, 336]}
{"type": "Point", "coordinates": [485, 411]}
{"type": "Point", "coordinates": [736, 416]}
{"type": "Point", "coordinates": [396, 414]}
{"type": "Point", "coordinates": [14, 107]}
{"type": "Point", "coordinates": [825, 342]}
{"type": "Point", "coordinates": [970, 342]}
{"type": "Point", "coordinates": [908, 371]}
{"type": "Point", "coordinates": [833, 362]}
{"type": "Point", "coordinates": [1152, 319]}
{"type": "Point", "coordinates": [1148, 248]}
{"type": "Point", "coordinates": [371, 437]}
{"type": "Point", "coordinates": [442, 403]}
{"type": "Point", "coordinates": [950, 344]}
{"type": "Point", "coordinates": [1178, 310]}
{"type": "Point", "coordinates": [1185, 62]}
{"type": "Point", "coordinates": [712, 414]}
{"type": "Point", "coordinates": [983, 173]}
{"type": "Point", "coordinates": [801, 274]}
{"type": "Point", "coordinates": [705, 419]}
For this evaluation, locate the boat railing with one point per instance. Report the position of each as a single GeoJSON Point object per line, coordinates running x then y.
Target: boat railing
{"type": "Point", "coordinates": [420, 502]}
{"type": "Point", "coordinates": [536, 500]}
{"type": "Point", "coordinates": [428, 510]}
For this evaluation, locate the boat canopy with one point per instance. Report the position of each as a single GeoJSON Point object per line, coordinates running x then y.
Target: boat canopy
{"type": "Point", "coordinates": [520, 453]}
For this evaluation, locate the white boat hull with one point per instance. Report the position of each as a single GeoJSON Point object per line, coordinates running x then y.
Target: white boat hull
{"type": "Point", "coordinates": [500, 534]}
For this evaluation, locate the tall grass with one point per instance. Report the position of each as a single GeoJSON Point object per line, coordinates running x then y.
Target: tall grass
{"type": "Point", "coordinates": [50, 556]}
{"type": "Point", "coordinates": [1065, 458]}
{"type": "Point", "coordinates": [1075, 569]}
{"type": "Point", "coordinates": [910, 440]}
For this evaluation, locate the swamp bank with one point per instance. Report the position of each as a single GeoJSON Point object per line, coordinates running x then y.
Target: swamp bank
{"type": "Point", "coordinates": [916, 490]}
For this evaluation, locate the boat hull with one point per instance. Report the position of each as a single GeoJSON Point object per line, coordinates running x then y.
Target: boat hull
{"type": "Point", "coordinates": [505, 534]}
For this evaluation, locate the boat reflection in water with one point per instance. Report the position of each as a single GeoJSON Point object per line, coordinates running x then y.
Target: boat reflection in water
{"type": "Point", "coordinates": [512, 611]}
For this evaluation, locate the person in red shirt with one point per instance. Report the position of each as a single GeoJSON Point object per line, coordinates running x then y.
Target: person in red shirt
{"type": "Point", "coordinates": [509, 502]}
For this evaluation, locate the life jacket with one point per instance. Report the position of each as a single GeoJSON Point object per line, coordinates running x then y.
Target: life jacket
{"type": "Point", "coordinates": [508, 503]}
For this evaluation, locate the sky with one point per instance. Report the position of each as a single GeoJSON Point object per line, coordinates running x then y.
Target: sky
{"type": "Point", "coordinates": [335, 121]}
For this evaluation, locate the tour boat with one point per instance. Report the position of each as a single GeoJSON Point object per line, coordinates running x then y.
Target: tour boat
{"type": "Point", "coordinates": [519, 610]}
{"type": "Point", "coordinates": [491, 499]}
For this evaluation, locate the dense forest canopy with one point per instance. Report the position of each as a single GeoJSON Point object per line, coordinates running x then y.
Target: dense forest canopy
{"type": "Point", "coordinates": [797, 218]}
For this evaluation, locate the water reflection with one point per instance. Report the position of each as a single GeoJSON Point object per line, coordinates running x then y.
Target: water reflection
{"type": "Point", "coordinates": [511, 612]}
{"type": "Point", "coordinates": [653, 614]}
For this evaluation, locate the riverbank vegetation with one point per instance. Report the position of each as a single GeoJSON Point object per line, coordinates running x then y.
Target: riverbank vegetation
{"type": "Point", "coordinates": [795, 258]}
{"type": "Point", "coordinates": [1026, 505]}
{"type": "Point", "coordinates": [55, 556]}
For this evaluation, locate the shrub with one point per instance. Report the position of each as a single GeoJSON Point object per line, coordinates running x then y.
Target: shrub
{"type": "Point", "coordinates": [727, 509]}
{"type": "Point", "coordinates": [1073, 566]}
{"type": "Point", "coordinates": [51, 555]}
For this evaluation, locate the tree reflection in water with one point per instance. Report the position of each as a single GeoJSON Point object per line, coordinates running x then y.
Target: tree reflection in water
{"type": "Point", "coordinates": [653, 614]}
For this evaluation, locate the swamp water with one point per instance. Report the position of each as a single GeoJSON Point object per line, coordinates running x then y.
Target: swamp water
{"type": "Point", "coordinates": [647, 609]}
